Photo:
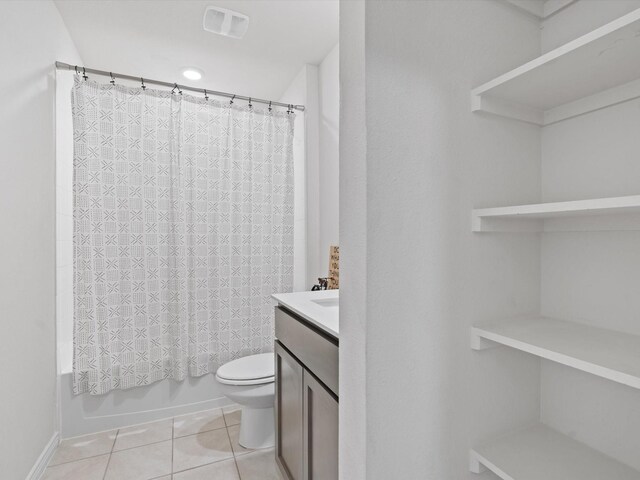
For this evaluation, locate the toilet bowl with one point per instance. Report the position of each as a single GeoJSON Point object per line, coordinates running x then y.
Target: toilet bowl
{"type": "Point", "coordinates": [249, 381]}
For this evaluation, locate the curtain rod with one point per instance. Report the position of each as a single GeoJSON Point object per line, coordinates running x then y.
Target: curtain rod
{"type": "Point", "coordinates": [93, 71]}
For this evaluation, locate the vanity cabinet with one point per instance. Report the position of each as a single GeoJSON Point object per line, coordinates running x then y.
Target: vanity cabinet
{"type": "Point", "coordinates": [289, 413]}
{"type": "Point", "coordinates": [320, 430]}
{"type": "Point", "coordinates": [306, 402]}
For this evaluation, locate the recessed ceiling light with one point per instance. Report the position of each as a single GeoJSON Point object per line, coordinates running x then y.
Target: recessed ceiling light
{"type": "Point", "coordinates": [192, 73]}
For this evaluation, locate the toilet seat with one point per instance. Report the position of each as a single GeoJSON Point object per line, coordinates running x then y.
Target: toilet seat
{"type": "Point", "coordinates": [250, 370]}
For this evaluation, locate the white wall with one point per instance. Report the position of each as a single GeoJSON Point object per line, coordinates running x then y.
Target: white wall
{"type": "Point", "coordinates": [353, 244]}
{"type": "Point", "coordinates": [591, 277]}
{"type": "Point", "coordinates": [316, 167]}
{"type": "Point", "coordinates": [303, 91]}
{"type": "Point", "coordinates": [414, 161]}
{"type": "Point", "coordinates": [328, 174]}
{"type": "Point", "coordinates": [32, 38]}
{"type": "Point", "coordinates": [411, 265]}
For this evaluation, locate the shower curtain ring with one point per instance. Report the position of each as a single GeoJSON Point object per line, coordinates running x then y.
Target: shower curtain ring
{"type": "Point", "coordinates": [206, 97]}
{"type": "Point", "coordinates": [84, 74]}
{"type": "Point", "coordinates": [77, 73]}
{"type": "Point", "coordinates": [142, 85]}
{"type": "Point", "coordinates": [231, 101]}
{"type": "Point", "coordinates": [250, 104]}
{"type": "Point", "coordinates": [269, 105]}
{"type": "Point", "coordinates": [113, 80]}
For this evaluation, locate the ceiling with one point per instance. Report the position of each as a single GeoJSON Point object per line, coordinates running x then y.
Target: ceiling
{"type": "Point", "coordinates": [156, 39]}
{"type": "Point", "coordinates": [541, 8]}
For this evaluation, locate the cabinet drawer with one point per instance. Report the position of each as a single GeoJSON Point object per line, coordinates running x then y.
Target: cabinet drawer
{"type": "Point", "coordinates": [316, 350]}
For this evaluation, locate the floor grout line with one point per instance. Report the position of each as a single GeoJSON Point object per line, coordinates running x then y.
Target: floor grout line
{"type": "Point", "coordinates": [173, 441]}
{"type": "Point", "coordinates": [203, 465]}
{"type": "Point", "coordinates": [140, 446]}
{"type": "Point", "coordinates": [224, 416]}
{"type": "Point", "coordinates": [106, 468]}
{"type": "Point", "coordinates": [235, 459]}
{"type": "Point", "coordinates": [112, 449]}
{"type": "Point", "coordinates": [234, 455]}
{"type": "Point", "coordinates": [198, 433]}
{"type": "Point", "coordinates": [173, 437]}
{"type": "Point", "coordinates": [79, 459]}
{"type": "Point", "coordinates": [137, 446]}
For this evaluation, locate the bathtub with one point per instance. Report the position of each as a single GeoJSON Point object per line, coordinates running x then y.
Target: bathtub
{"type": "Point", "coordinates": [82, 414]}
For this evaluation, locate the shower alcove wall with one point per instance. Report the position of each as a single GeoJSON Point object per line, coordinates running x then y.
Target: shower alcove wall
{"type": "Point", "coordinates": [84, 414]}
{"type": "Point", "coordinates": [584, 93]}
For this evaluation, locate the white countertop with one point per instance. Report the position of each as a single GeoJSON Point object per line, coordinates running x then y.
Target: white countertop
{"type": "Point", "coordinates": [320, 308]}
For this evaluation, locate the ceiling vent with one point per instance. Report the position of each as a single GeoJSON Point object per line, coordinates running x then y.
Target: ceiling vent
{"type": "Point", "coordinates": [225, 22]}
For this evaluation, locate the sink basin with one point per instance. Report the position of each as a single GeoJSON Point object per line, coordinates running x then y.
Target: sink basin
{"type": "Point", "coordinates": [327, 302]}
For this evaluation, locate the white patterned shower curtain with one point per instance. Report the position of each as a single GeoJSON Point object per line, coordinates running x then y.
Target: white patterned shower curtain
{"type": "Point", "coordinates": [183, 228]}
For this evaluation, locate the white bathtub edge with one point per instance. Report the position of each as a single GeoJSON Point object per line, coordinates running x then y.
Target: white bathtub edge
{"type": "Point", "coordinates": [77, 420]}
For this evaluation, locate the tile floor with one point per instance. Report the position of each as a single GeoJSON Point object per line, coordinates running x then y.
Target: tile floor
{"type": "Point", "coordinates": [199, 446]}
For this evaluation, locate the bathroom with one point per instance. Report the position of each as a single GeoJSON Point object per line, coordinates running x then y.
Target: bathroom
{"type": "Point", "coordinates": [185, 180]}
{"type": "Point", "coordinates": [183, 411]}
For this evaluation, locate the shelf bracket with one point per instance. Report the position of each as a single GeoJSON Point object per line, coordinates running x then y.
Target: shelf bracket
{"type": "Point", "coordinates": [475, 465]}
{"type": "Point", "coordinates": [502, 108]}
{"type": "Point", "coordinates": [478, 342]}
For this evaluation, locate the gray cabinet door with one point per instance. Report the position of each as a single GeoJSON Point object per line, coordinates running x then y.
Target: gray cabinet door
{"type": "Point", "coordinates": [289, 413]}
{"type": "Point", "coordinates": [320, 431]}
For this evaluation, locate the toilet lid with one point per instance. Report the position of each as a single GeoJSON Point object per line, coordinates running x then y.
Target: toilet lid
{"type": "Point", "coordinates": [253, 367]}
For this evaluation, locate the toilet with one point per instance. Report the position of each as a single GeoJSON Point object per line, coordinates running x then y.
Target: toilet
{"type": "Point", "coordinates": [249, 381]}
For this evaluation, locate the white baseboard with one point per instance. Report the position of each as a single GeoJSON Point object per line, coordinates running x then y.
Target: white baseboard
{"type": "Point", "coordinates": [44, 458]}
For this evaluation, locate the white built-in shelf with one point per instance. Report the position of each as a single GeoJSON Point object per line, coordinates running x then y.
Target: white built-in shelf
{"type": "Point", "coordinates": [598, 69]}
{"type": "Point", "coordinates": [540, 453]}
{"type": "Point", "coordinates": [482, 217]}
{"type": "Point", "coordinates": [605, 353]}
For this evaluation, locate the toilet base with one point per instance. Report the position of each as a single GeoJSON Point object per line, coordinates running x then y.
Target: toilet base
{"type": "Point", "coordinates": [257, 428]}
